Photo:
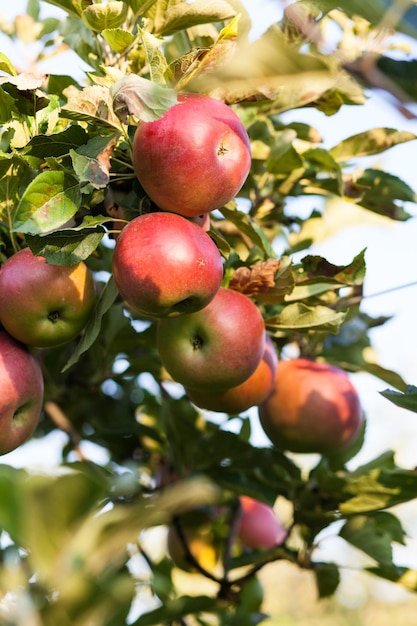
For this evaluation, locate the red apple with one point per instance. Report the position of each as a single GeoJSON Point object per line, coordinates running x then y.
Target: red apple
{"type": "Point", "coordinates": [21, 397]}
{"type": "Point", "coordinates": [164, 265]}
{"type": "Point", "coordinates": [313, 407]}
{"type": "Point", "coordinates": [258, 526]}
{"type": "Point", "coordinates": [217, 347]}
{"type": "Point", "coordinates": [249, 393]}
{"type": "Point", "coordinates": [195, 158]}
{"type": "Point", "coordinates": [44, 305]}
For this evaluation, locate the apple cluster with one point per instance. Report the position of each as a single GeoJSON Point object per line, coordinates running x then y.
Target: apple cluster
{"type": "Point", "coordinates": [34, 317]}
{"type": "Point", "coordinates": [210, 338]}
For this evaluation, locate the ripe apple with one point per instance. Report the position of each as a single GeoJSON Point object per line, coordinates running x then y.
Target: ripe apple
{"type": "Point", "coordinates": [165, 265]}
{"type": "Point", "coordinates": [241, 397]}
{"type": "Point", "coordinates": [21, 397]}
{"type": "Point", "coordinates": [44, 305]}
{"type": "Point", "coordinates": [313, 407]}
{"type": "Point", "coordinates": [215, 348]}
{"type": "Point", "coordinates": [258, 526]}
{"type": "Point", "coordinates": [195, 158]}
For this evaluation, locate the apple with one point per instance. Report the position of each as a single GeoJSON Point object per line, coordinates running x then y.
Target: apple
{"type": "Point", "coordinates": [44, 305]}
{"type": "Point", "coordinates": [200, 537]}
{"type": "Point", "coordinates": [195, 158]}
{"type": "Point", "coordinates": [241, 397]}
{"type": "Point", "coordinates": [21, 398]}
{"type": "Point", "coordinates": [258, 526]}
{"type": "Point", "coordinates": [165, 265]}
{"type": "Point", "coordinates": [313, 407]}
{"type": "Point", "coordinates": [215, 348]}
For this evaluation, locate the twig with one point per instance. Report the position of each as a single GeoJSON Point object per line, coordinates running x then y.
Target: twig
{"type": "Point", "coordinates": [58, 417]}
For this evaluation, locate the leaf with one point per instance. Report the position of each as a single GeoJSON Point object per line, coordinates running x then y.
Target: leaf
{"type": "Point", "coordinates": [91, 162]}
{"type": "Point", "coordinates": [374, 534]}
{"type": "Point", "coordinates": [316, 269]}
{"type": "Point", "coordinates": [70, 6]}
{"type": "Point", "coordinates": [25, 81]}
{"type": "Point", "coordinates": [118, 39]}
{"type": "Point", "coordinates": [327, 578]}
{"type": "Point", "coordinates": [48, 203]}
{"type": "Point", "coordinates": [7, 107]}
{"type": "Point", "coordinates": [155, 57]}
{"type": "Point", "coordinates": [380, 488]}
{"type": "Point", "coordinates": [182, 15]}
{"type": "Point", "coordinates": [393, 14]}
{"type": "Point", "coordinates": [93, 327]}
{"type": "Point", "coordinates": [6, 65]}
{"type": "Point", "coordinates": [141, 98]}
{"type": "Point", "coordinates": [65, 247]}
{"type": "Point", "coordinates": [271, 70]}
{"type": "Point", "coordinates": [92, 104]}
{"type": "Point", "coordinates": [300, 317]}
{"type": "Point", "coordinates": [369, 142]}
{"type": "Point", "coordinates": [101, 17]}
{"type": "Point", "coordinates": [57, 144]}
{"type": "Point", "coordinates": [400, 73]}
{"type": "Point", "coordinates": [197, 62]}
{"type": "Point", "coordinates": [256, 278]}
{"type": "Point", "coordinates": [175, 609]}
{"type": "Point", "coordinates": [406, 400]}
{"type": "Point", "coordinates": [246, 225]}
{"type": "Point", "coordinates": [380, 191]}
{"type": "Point", "coordinates": [268, 281]}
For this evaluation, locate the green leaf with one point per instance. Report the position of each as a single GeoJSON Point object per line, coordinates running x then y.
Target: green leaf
{"type": "Point", "coordinates": [6, 65]}
{"type": "Point", "coordinates": [14, 176]}
{"type": "Point", "coordinates": [327, 578]}
{"type": "Point", "coordinates": [182, 15]}
{"type": "Point", "coordinates": [7, 107]}
{"type": "Point", "coordinates": [369, 142]}
{"type": "Point", "coordinates": [300, 317]}
{"type": "Point", "coordinates": [141, 98]}
{"type": "Point", "coordinates": [73, 7]}
{"type": "Point", "coordinates": [377, 489]}
{"type": "Point", "coordinates": [93, 105]}
{"type": "Point", "coordinates": [271, 70]}
{"type": "Point", "coordinates": [118, 39]}
{"type": "Point", "coordinates": [402, 18]}
{"type": "Point", "coordinates": [175, 609]}
{"type": "Point", "coordinates": [400, 72]}
{"type": "Point", "coordinates": [48, 203]}
{"type": "Point", "coordinates": [91, 162]}
{"type": "Point", "coordinates": [65, 247]}
{"type": "Point", "coordinates": [57, 144]}
{"type": "Point", "coordinates": [406, 400]}
{"type": "Point", "coordinates": [381, 191]}
{"type": "Point", "coordinates": [92, 330]}
{"type": "Point", "coordinates": [249, 228]}
{"type": "Point", "coordinates": [374, 534]}
{"type": "Point", "coordinates": [283, 157]}
{"type": "Point", "coordinates": [101, 17]}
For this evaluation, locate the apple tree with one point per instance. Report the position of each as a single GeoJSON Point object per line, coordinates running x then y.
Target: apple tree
{"type": "Point", "coordinates": [73, 177]}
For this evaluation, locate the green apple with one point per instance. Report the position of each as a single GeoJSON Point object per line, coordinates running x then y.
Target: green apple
{"type": "Point", "coordinates": [165, 265]}
{"type": "Point", "coordinates": [215, 348]}
{"type": "Point", "coordinates": [313, 407]}
{"type": "Point", "coordinates": [195, 158]}
{"type": "Point", "coordinates": [44, 305]}
{"type": "Point", "coordinates": [21, 397]}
